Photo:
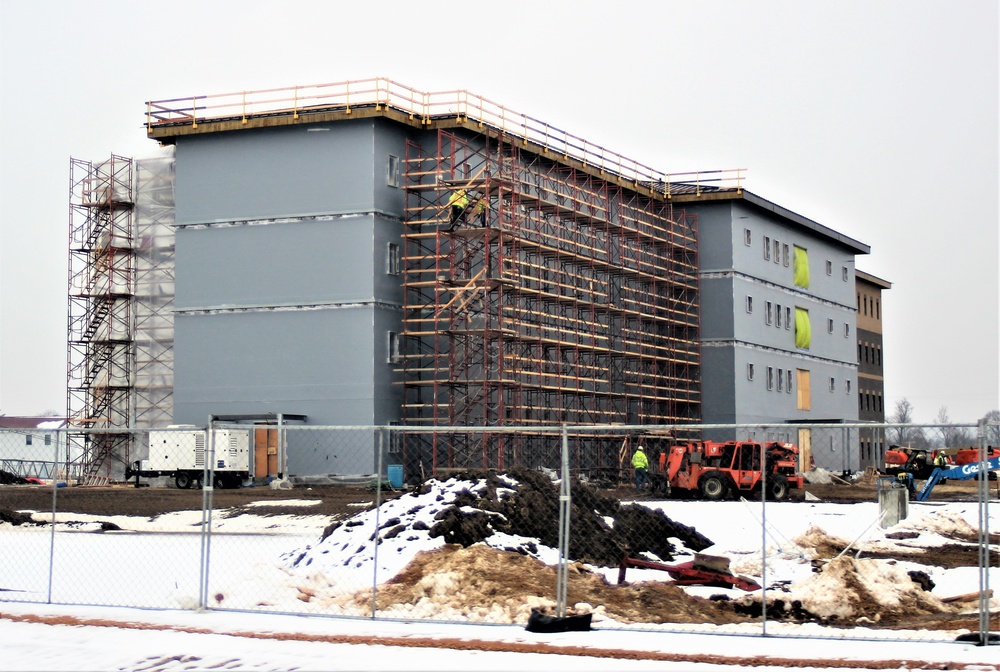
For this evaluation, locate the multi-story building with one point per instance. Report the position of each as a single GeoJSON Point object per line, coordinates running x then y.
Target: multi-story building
{"type": "Point", "coordinates": [871, 389]}
{"type": "Point", "coordinates": [315, 275]}
{"type": "Point", "coordinates": [296, 260]}
{"type": "Point", "coordinates": [778, 324]}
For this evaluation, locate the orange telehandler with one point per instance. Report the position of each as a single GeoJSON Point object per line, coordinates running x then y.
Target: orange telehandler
{"type": "Point", "coordinates": [715, 470]}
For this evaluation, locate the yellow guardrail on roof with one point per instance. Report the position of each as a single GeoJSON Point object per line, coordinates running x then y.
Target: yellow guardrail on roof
{"type": "Point", "coordinates": [427, 107]}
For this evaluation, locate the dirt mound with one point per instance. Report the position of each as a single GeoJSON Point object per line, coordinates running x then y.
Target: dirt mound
{"type": "Point", "coordinates": [7, 478]}
{"type": "Point", "coordinates": [603, 529]}
{"type": "Point", "coordinates": [819, 545]}
{"type": "Point", "coordinates": [494, 586]}
{"type": "Point", "coordinates": [17, 518]}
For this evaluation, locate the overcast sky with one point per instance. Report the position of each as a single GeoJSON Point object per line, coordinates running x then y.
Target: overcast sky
{"type": "Point", "coordinates": [878, 119]}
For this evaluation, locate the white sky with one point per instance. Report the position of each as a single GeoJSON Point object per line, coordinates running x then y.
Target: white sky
{"type": "Point", "coordinates": [876, 119]}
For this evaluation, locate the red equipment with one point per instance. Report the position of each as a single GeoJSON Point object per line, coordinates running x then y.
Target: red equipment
{"type": "Point", "coordinates": [704, 570]}
{"type": "Point", "coordinates": [715, 470]}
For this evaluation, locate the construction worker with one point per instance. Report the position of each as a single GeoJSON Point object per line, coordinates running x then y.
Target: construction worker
{"type": "Point", "coordinates": [941, 461]}
{"type": "Point", "coordinates": [906, 480]}
{"type": "Point", "coordinates": [641, 465]}
{"type": "Point", "coordinates": [481, 209]}
{"type": "Point", "coordinates": [458, 201]}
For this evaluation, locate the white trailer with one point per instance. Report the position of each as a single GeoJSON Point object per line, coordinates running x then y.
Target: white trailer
{"type": "Point", "coordinates": [181, 454]}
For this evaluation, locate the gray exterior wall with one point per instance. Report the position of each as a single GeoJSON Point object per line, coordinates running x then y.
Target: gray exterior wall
{"type": "Point", "coordinates": [284, 299]}
{"type": "Point", "coordinates": [734, 338]}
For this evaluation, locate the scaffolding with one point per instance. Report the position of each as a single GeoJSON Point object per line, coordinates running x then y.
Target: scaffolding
{"type": "Point", "coordinates": [100, 361]}
{"type": "Point", "coordinates": [564, 299]}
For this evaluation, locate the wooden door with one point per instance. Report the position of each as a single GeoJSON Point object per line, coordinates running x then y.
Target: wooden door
{"type": "Point", "coordinates": [265, 452]}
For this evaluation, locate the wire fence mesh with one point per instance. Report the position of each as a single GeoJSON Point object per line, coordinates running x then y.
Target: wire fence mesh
{"type": "Point", "coordinates": [776, 530]}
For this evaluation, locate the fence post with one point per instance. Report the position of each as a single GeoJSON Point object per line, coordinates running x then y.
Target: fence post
{"type": "Point", "coordinates": [207, 493]}
{"type": "Point", "coordinates": [562, 576]}
{"type": "Point", "coordinates": [763, 533]}
{"type": "Point", "coordinates": [983, 498]}
{"type": "Point", "coordinates": [54, 473]}
{"type": "Point", "coordinates": [378, 510]}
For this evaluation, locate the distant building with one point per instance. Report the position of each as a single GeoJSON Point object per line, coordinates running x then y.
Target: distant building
{"type": "Point", "coordinates": [29, 445]}
{"type": "Point", "coordinates": [871, 388]}
{"type": "Point", "coordinates": [778, 323]}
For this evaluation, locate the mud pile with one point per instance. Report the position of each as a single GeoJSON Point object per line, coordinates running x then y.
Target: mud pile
{"type": "Point", "coordinates": [602, 529]}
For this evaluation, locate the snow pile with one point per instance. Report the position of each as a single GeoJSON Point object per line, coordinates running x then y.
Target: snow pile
{"type": "Point", "coordinates": [848, 589]}
{"type": "Point", "coordinates": [818, 476]}
{"type": "Point", "coordinates": [947, 523]}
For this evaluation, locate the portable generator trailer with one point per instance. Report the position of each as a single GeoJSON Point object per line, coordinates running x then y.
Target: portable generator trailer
{"type": "Point", "coordinates": [181, 455]}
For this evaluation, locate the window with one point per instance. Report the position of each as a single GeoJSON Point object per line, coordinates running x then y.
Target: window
{"type": "Point", "coordinates": [27, 439]}
{"type": "Point", "coordinates": [878, 310]}
{"type": "Point", "coordinates": [788, 381]}
{"type": "Point", "coordinates": [833, 384]}
{"type": "Point", "coordinates": [859, 300]}
{"type": "Point", "coordinates": [829, 325]}
{"type": "Point", "coordinates": [843, 273]}
{"type": "Point", "coordinates": [829, 267]}
{"type": "Point", "coordinates": [879, 351]}
{"type": "Point", "coordinates": [781, 380]}
{"type": "Point", "coordinates": [750, 371]}
{"type": "Point", "coordinates": [392, 172]}
{"type": "Point", "coordinates": [800, 267]}
{"type": "Point", "coordinates": [768, 313]}
{"type": "Point", "coordinates": [803, 401]}
{"type": "Point", "coordinates": [847, 330]}
{"type": "Point", "coordinates": [749, 304]}
{"type": "Point", "coordinates": [767, 248]}
{"type": "Point", "coordinates": [770, 377]}
{"type": "Point", "coordinates": [784, 254]}
{"type": "Point", "coordinates": [393, 354]}
{"type": "Point", "coordinates": [777, 316]}
{"type": "Point", "coordinates": [747, 237]}
{"type": "Point", "coordinates": [788, 317]}
{"type": "Point", "coordinates": [861, 402]}
{"type": "Point", "coordinates": [859, 353]}
{"type": "Point", "coordinates": [392, 259]}
{"type": "Point", "coordinates": [866, 304]}
{"type": "Point", "coordinates": [847, 386]}
{"type": "Point", "coordinates": [777, 252]}
{"type": "Point", "coordinates": [48, 439]}
{"type": "Point", "coordinates": [803, 329]}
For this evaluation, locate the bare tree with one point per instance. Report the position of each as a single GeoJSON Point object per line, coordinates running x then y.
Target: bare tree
{"type": "Point", "coordinates": [993, 430]}
{"type": "Point", "coordinates": [905, 436]}
{"type": "Point", "coordinates": [952, 437]}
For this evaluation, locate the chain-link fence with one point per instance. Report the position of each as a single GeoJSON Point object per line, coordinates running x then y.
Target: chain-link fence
{"type": "Point", "coordinates": [848, 530]}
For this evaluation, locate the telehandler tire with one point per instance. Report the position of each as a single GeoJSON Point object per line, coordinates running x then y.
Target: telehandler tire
{"type": "Point", "coordinates": [712, 487]}
{"type": "Point", "coordinates": [777, 488]}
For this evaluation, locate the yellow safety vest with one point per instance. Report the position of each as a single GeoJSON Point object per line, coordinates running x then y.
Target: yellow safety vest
{"type": "Point", "coordinates": [639, 460]}
{"type": "Point", "coordinates": [459, 198]}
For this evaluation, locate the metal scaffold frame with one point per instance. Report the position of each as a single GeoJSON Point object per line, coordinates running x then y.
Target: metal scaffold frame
{"type": "Point", "coordinates": [100, 361]}
{"type": "Point", "coordinates": [567, 299]}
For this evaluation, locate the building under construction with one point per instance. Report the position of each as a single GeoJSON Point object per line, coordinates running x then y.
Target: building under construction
{"type": "Point", "coordinates": [296, 254]}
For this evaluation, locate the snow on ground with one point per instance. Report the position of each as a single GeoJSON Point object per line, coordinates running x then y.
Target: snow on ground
{"type": "Point", "coordinates": [281, 564]}
{"type": "Point", "coordinates": [172, 641]}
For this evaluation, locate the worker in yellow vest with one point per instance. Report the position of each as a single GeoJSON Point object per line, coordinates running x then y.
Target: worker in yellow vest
{"type": "Point", "coordinates": [481, 210]}
{"type": "Point", "coordinates": [641, 465]}
{"type": "Point", "coordinates": [458, 201]}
